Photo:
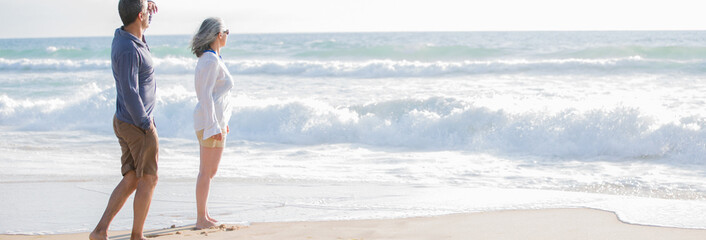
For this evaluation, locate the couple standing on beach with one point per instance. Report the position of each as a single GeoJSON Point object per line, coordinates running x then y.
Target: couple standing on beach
{"type": "Point", "coordinates": [134, 124]}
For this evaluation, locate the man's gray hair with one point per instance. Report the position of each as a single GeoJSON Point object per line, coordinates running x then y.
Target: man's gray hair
{"type": "Point", "coordinates": [207, 34]}
{"type": "Point", "coordinates": [129, 9]}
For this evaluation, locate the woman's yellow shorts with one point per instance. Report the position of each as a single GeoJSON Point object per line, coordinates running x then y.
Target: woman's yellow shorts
{"type": "Point", "coordinates": [210, 142]}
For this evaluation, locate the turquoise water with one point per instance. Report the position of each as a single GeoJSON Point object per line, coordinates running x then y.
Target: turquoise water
{"type": "Point", "coordinates": [394, 46]}
{"type": "Point", "coordinates": [609, 120]}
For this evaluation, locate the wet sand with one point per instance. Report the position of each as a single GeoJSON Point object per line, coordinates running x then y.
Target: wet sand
{"type": "Point", "coordinates": [517, 224]}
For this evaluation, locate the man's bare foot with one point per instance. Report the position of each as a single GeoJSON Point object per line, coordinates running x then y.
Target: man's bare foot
{"type": "Point", "coordinates": [204, 224]}
{"type": "Point", "coordinates": [98, 236]}
{"type": "Point", "coordinates": [138, 237]}
{"type": "Point", "coordinates": [211, 219]}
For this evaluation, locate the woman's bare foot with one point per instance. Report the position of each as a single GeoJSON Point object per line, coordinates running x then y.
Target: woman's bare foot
{"type": "Point", "coordinates": [211, 219]}
{"type": "Point", "coordinates": [204, 224]}
{"type": "Point", "coordinates": [98, 236]}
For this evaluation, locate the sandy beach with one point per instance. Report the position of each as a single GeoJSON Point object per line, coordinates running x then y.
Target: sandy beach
{"type": "Point", "coordinates": [517, 224]}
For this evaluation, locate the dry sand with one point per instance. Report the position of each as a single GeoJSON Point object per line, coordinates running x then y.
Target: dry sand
{"type": "Point", "coordinates": [574, 224]}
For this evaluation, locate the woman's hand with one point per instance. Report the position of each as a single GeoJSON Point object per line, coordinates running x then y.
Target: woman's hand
{"type": "Point", "coordinates": [218, 137]}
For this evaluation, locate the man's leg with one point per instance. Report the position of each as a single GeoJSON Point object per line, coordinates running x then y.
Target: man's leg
{"type": "Point", "coordinates": [117, 199]}
{"type": "Point", "coordinates": [147, 180]}
{"type": "Point", "coordinates": [143, 198]}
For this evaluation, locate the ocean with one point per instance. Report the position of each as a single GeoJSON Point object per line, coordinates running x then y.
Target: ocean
{"type": "Point", "coordinates": [335, 126]}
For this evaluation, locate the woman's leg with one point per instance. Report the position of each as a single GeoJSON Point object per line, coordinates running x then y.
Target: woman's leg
{"type": "Point", "coordinates": [210, 158]}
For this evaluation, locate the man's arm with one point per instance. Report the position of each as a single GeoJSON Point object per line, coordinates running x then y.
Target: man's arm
{"type": "Point", "coordinates": [130, 87]}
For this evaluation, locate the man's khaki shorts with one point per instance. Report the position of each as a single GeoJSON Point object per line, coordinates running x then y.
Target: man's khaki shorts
{"type": "Point", "coordinates": [140, 148]}
{"type": "Point", "coordinates": [210, 142]}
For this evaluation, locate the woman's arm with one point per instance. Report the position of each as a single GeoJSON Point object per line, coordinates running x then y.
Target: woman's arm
{"type": "Point", "coordinates": [205, 82]}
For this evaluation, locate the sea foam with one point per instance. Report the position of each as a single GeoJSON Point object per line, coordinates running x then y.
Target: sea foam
{"type": "Point", "coordinates": [435, 123]}
{"type": "Point", "coordinates": [381, 68]}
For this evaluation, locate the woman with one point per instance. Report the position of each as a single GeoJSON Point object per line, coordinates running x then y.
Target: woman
{"type": "Point", "coordinates": [213, 83]}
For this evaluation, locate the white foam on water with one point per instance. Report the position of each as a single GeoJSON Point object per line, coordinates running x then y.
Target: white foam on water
{"type": "Point", "coordinates": [351, 126]}
{"type": "Point", "coordinates": [376, 68]}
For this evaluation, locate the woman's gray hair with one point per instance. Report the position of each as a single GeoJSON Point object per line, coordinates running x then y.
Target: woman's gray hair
{"type": "Point", "coordinates": [207, 34]}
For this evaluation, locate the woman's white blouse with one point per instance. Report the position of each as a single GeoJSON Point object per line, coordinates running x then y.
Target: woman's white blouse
{"type": "Point", "coordinates": [213, 83]}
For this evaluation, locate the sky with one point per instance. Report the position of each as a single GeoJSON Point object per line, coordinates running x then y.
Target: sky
{"type": "Point", "coordinates": [78, 18]}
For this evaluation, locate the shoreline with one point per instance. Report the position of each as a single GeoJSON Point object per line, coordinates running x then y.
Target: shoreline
{"type": "Point", "coordinates": [561, 223]}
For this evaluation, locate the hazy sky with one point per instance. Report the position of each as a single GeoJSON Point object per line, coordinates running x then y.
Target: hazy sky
{"type": "Point", "coordinates": [65, 18]}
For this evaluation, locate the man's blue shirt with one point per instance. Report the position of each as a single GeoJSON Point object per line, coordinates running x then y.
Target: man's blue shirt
{"type": "Point", "coordinates": [134, 79]}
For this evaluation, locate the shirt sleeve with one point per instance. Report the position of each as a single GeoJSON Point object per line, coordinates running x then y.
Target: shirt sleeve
{"type": "Point", "coordinates": [128, 75]}
{"type": "Point", "coordinates": [205, 82]}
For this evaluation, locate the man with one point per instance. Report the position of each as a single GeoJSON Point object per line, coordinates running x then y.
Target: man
{"type": "Point", "coordinates": [133, 122]}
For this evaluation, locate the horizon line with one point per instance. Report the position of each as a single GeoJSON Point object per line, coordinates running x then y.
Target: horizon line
{"type": "Point", "coordinates": [365, 32]}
